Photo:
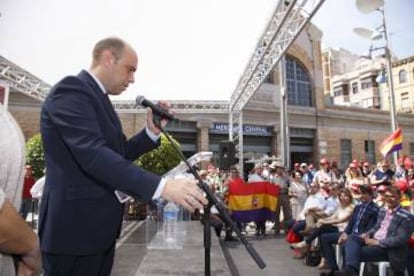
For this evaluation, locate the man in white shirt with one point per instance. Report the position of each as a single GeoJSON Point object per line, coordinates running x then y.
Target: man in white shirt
{"type": "Point", "coordinates": [16, 236]}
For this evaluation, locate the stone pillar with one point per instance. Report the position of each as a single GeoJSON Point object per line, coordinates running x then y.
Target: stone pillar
{"type": "Point", "coordinates": [315, 36]}
{"type": "Point", "coordinates": [275, 140]}
{"type": "Point", "coordinates": [203, 141]}
{"type": "Point", "coordinates": [202, 135]}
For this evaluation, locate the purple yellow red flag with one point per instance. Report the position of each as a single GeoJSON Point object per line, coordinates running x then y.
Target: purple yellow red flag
{"type": "Point", "coordinates": [392, 143]}
{"type": "Point", "coordinates": [253, 201]}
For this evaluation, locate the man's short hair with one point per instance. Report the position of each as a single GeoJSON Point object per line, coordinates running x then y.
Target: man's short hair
{"type": "Point", "coordinates": [116, 45]}
{"type": "Point", "coordinates": [366, 189]}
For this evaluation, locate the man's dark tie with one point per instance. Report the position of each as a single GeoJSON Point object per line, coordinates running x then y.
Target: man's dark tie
{"type": "Point", "coordinates": [111, 110]}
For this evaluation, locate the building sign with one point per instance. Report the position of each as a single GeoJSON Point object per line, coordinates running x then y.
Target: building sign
{"type": "Point", "coordinates": [247, 129]}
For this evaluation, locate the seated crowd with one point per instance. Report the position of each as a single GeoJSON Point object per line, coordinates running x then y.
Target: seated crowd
{"type": "Point", "coordinates": [364, 214]}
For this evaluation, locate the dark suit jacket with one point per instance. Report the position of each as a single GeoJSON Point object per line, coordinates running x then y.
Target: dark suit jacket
{"type": "Point", "coordinates": [87, 159]}
{"type": "Point", "coordinates": [398, 234]}
{"type": "Point", "coordinates": [367, 221]}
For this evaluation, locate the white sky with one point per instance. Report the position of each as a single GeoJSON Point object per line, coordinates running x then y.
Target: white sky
{"type": "Point", "coordinates": [188, 49]}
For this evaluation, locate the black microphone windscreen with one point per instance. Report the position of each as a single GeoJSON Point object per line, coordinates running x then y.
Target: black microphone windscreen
{"type": "Point", "coordinates": [140, 99]}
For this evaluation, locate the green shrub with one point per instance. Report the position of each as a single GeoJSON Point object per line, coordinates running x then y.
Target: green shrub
{"type": "Point", "coordinates": [35, 155]}
{"type": "Point", "coordinates": [162, 159]}
{"type": "Point", "coordinates": [158, 161]}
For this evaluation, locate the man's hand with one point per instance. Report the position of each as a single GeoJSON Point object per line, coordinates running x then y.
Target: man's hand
{"type": "Point", "coordinates": [342, 238]}
{"type": "Point", "coordinates": [24, 270]}
{"type": "Point", "coordinates": [370, 241]}
{"type": "Point", "coordinates": [150, 118]}
{"type": "Point", "coordinates": [184, 192]}
{"type": "Point", "coordinates": [31, 261]}
{"type": "Point", "coordinates": [319, 223]}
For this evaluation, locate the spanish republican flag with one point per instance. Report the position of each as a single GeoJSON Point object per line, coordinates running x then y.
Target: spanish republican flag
{"type": "Point", "coordinates": [392, 143]}
{"type": "Point", "coordinates": [254, 201]}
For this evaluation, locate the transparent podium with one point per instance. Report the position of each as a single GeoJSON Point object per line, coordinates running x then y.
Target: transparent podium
{"type": "Point", "coordinates": [155, 213]}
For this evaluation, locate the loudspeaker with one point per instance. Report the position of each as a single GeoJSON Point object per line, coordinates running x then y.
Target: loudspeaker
{"type": "Point", "coordinates": [227, 152]}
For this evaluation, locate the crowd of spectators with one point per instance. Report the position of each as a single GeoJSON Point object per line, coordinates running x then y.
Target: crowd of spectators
{"type": "Point", "coordinates": [366, 210]}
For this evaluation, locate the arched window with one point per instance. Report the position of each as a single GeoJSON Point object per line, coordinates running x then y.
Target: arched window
{"type": "Point", "coordinates": [298, 83]}
{"type": "Point", "coordinates": [402, 75]}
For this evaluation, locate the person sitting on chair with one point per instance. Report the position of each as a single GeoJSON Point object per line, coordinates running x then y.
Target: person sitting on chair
{"type": "Point", "coordinates": [363, 218]}
{"type": "Point", "coordinates": [386, 241]}
{"type": "Point", "coordinates": [325, 209]}
{"type": "Point", "coordinates": [334, 223]}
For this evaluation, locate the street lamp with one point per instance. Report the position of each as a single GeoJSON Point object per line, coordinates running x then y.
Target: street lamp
{"type": "Point", "coordinates": [368, 6]}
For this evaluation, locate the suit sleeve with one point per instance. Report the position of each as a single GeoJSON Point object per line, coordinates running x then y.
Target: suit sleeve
{"type": "Point", "coordinates": [400, 236]}
{"type": "Point", "coordinates": [75, 112]}
{"type": "Point", "coordinates": [350, 225]}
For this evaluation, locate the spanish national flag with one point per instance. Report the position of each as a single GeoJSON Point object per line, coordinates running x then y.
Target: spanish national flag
{"type": "Point", "coordinates": [253, 201]}
{"type": "Point", "coordinates": [392, 143]}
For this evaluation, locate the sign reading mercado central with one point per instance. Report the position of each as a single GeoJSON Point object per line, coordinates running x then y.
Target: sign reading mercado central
{"type": "Point", "coordinates": [247, 129]}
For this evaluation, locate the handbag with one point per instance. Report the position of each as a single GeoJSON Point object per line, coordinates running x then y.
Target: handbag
{"type": "Point", "coordinates": [312, 257]}
{"type": "Point", "coordinates": [292, 237]}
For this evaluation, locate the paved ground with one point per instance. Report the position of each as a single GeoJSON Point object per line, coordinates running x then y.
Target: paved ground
{"type": "Point", "coordinates": [141, 251]}
{"type": "Point", "coordinates": [228, 258]}
{"type": "Point", "coordinates": [274, 251]}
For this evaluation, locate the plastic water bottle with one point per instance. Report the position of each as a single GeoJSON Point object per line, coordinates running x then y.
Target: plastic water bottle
{"type": "Point", "coordinates": [170, 222]}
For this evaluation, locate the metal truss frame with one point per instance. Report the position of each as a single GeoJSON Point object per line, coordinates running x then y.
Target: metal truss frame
{"type": "Point", "coordinates": [208, 107]}
{"type": "Point", "coordinates": [289, 19]}
{"type": "Point", "coordinates": [23, 81]}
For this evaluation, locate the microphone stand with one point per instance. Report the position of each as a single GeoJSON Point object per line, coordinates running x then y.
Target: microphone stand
{"type": "Point", "coordinates": [212, 200]}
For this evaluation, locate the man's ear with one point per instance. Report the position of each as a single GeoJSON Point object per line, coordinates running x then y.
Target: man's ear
{"type": "Point", "coordinates": [108, 58]}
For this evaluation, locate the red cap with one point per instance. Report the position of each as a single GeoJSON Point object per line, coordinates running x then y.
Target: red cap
{"type": "Point", "coordinates": [355, 188]}
{"type": "Point", "coordinates": [352, 165]}
{"type": "Point", "coordinates": [324, 161]}
{"type": "Point", "coordinates": [381, 188]}
{"type": "Point", "coordinates": [402, 185]}
{"type": "Point", "coordinates": [407, 163]}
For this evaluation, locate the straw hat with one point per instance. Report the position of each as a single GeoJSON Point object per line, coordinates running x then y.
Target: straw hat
{"type": "Point", "coordinates": [276, 164]}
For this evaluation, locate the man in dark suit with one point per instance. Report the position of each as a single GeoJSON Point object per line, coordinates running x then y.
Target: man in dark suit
{"type": "Point", "coordinates": [386, 241]}
{"type": "Point", "coordinates": [363, 218]}
{"type": "Point", "coordinates": [88, 157]}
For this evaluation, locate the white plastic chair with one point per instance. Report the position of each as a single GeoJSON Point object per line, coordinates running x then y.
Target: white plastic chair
{"type": "Point", "coordinates": [338, 255]}
{"type": "Point", "coordinates": [382, 268]}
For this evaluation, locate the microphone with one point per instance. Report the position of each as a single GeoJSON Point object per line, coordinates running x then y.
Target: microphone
{"type": "Point", "coordinates": [156, 109]}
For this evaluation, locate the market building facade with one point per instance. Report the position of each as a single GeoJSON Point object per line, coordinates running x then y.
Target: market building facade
{"type": "Point", "coordinates": [317, 128]}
